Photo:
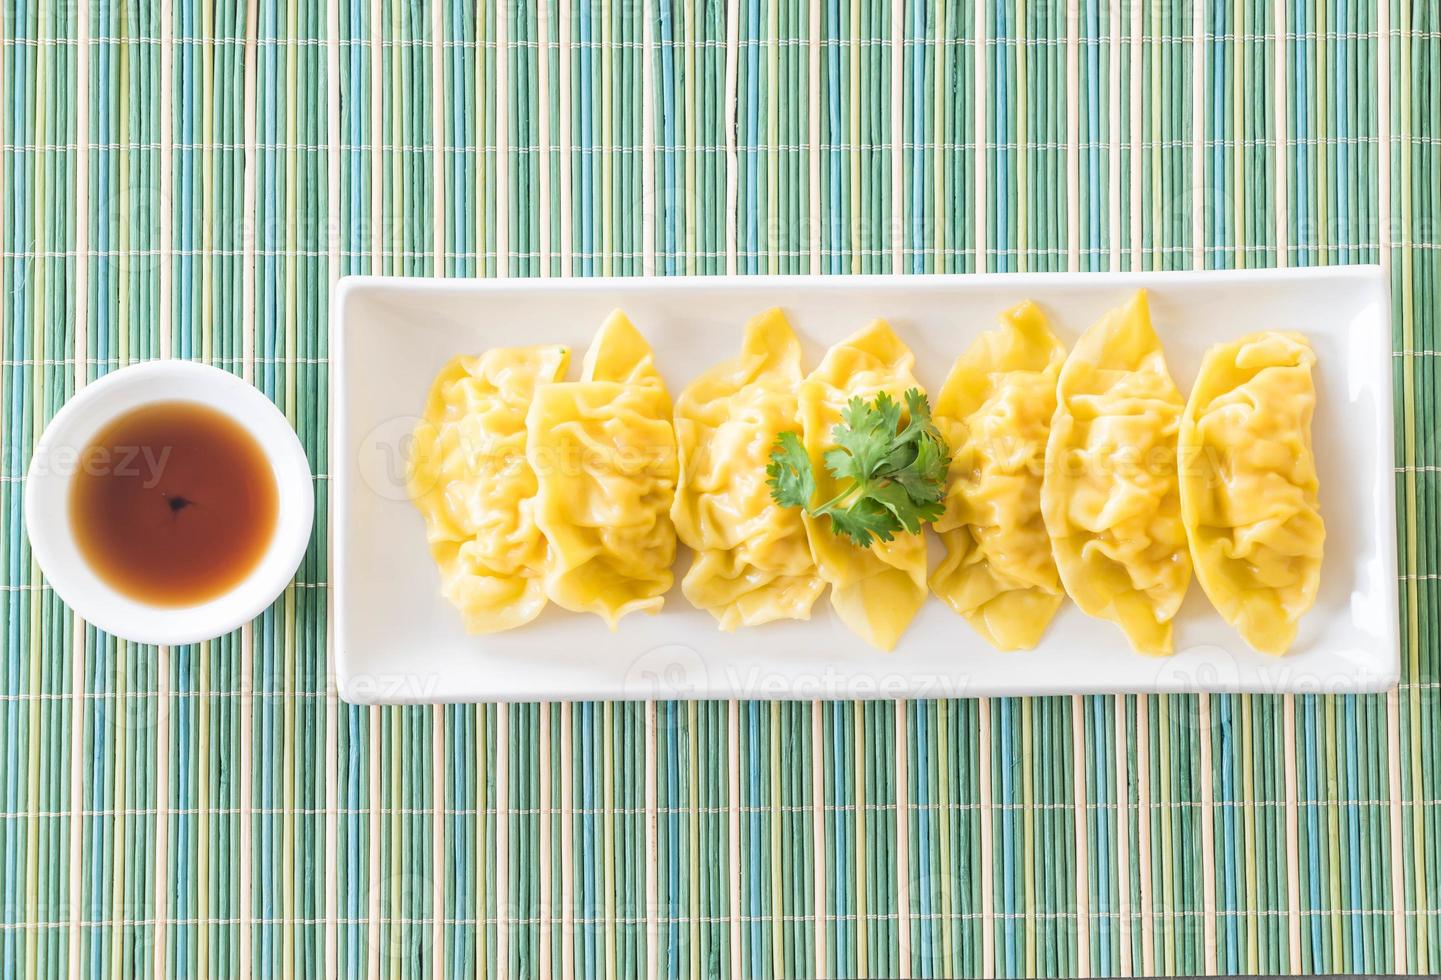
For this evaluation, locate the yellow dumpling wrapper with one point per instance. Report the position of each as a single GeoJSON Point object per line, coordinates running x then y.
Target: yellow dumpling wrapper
{"type": "Point", "coordinates": [876, 591]}
{"type": "Point", "coordinates": [1249, 492]}
{"type": "Point", "coordinates": [469, 478]}
{"type": "Point", "coordinates": [603, 450]}
{"type": "Point", "coordinates": [995, 413]}
{"type": "Point", "coordinates": [752, 560]}
{"type": "Point", "coordinates": [1110, 498]}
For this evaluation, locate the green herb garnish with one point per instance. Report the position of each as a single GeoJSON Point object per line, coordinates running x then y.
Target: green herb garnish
{"type": "Point", "coordinates": [896, 474]}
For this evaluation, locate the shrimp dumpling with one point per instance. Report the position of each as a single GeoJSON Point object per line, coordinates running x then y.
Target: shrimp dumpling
{"type": "Point", "coordinates": [876, 591]}
{"type": "Point", "coordinates": [1249, 492]}
{"type": "Point", "coordinates": [995, 412]}
{"type": "Point", "coordinates": [469, 477]}
{"type": "Point", "coordinates": [1110, 497]}
{"type": "Point", "coordinates": [603, 450]}
{"type": "Point", "coordinates": [752, 561]}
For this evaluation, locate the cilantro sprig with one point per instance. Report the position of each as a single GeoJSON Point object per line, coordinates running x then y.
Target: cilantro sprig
{"type": "Point", "coordinates": [895, 474]}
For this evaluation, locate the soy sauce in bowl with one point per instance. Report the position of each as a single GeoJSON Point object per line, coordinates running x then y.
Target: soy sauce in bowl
{"type": "Point", "coordinates": [173, 503]}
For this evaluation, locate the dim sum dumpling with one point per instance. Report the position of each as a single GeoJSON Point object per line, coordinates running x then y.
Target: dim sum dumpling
{"type": "Point", "coordinates": [1249, 487]}
{"type": "Point", "coordinates": [619, 354]}
{"type": "Point", "coordinates": [469, 478]}
{"type": "Point", "coordinates": [876, 591]}
{"type": "Point", "coordinates": [1110, 496]}
{"type": "Point", "coordinates": [603, 450]}
{"type": "Point", "coordinates": [995, 412]}
{"type": "Point", "coordinates": [752, 561]}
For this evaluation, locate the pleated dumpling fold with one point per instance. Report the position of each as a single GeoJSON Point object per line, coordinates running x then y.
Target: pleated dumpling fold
{"type": "Point", "coordinates": [995, 413]}
{"type": "Point", "coordinates": [470, 479]}
{"type": "Point", "coordinates": [752, 561]}
{"type": "Point", "coordinates": [603, 450]}
{"type": "Point", "coordinates": [1110, 497]}
{"type": "Point", "coordinates": [1249, 491]}
{"type": "Point", "coordinates": [876, 591]}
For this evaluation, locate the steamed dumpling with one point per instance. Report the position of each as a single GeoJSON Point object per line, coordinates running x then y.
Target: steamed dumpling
{"type": "Point", "coordinates": [876, 591]}
{"type": "Point", "coordinates": [995, 412]}
{"type": "Point", "coordinates": [604, 453]}
{"type": "Point", "coordinates": [469, 478]}
{"type": "Point", "coordinates": [1249, 488]}
{"type": "Point", "coordinates": [1110, 498]}
{"type": "Point", "coordinates": [752, 561]}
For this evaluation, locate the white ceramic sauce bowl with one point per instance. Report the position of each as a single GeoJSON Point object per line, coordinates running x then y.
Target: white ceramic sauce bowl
{"type": "Point", "coordinates": [58, 456]}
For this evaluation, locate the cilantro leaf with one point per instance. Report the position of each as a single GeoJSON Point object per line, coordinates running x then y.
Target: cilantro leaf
{"type": "Point", "coordinates": [789, 474]}
{"type": "Point", "coordinates": [891, 463]}
{"type": "Point", "coordinates": [863, 519]}
{"type": "Point", "coordinates": [863, 439]}
{"type": "Point", "coordinates": [918, 407]}
{"type": "Point", "coordinates": [894, 498]}
{"type": "Point", "coordinates": [924, 477]}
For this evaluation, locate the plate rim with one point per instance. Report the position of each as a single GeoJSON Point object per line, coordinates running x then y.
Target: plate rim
{"type": "Point", "coordinates": [345, 294]}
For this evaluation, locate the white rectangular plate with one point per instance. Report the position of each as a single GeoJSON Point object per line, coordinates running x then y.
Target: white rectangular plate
{"type": "Point", "coordinates": [397, 640]}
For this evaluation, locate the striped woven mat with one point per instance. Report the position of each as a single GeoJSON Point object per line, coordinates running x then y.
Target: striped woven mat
{"type": "Point", "coordinates": [188, 179]}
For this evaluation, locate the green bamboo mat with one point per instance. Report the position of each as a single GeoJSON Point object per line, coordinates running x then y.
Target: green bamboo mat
{"type": "Point", "coordinates": [188, 179]}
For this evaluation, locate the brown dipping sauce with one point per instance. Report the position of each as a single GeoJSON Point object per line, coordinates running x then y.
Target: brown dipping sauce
{"type": "Point", "coordinates": [173, 503]}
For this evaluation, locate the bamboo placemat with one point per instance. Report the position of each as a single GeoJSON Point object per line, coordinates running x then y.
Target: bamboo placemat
{"type": "Point", "coordinates": [189, 179]}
